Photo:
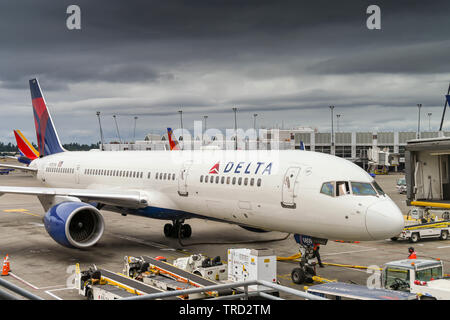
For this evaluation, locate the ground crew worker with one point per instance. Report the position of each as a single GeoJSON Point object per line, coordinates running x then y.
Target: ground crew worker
{"type": "Point", "coordinates": [316, 254]}
{"type": "Point", "coordinates": [412, 253]}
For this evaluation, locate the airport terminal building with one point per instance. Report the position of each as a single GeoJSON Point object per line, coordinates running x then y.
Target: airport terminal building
{"type": "Point", "coordinates": [349, 145]}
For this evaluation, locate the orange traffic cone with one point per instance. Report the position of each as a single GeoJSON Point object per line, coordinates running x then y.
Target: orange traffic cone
{"type": "Point", "coordinates": [7, 263]}
{"type": "Point", "coordinates": [5, 270]}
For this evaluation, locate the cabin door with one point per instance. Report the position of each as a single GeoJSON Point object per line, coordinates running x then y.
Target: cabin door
{"type": "Point", "coordinates": [182, 179]}
{"type": "Point", "coordinates": [289, 191]}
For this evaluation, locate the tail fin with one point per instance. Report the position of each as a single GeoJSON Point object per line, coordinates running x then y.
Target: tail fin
{"type": "Point", "coordinates": [25, 147]}
{"type": "Point", "coordinates": [172, 140]}
{"type": "Point", "coordinates": [48, 141]}
{"type": "Point", "coordinates": [302, 146]}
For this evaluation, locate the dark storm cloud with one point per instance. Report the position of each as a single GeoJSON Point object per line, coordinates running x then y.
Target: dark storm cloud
{"type": "Point", "coordinates": [151, 58]}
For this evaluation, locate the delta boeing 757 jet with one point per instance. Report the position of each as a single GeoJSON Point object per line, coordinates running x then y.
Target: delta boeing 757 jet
{"type": "Point", "coordinates": [293, 191]}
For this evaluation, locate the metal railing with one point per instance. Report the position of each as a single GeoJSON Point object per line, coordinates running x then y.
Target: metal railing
{"type": "Point", "coordinates": [5, 295]}
{"type": "Point", "coordinates": [245, 295]}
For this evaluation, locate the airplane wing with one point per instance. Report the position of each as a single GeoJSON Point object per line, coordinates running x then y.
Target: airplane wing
{"type": "Point", "coordinates": [128, 199]}
{"type": "Point", "coordinates": [8, 166]}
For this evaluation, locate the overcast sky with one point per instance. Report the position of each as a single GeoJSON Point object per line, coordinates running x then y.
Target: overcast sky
{"type": "Point", "coordinates": [287, 61]}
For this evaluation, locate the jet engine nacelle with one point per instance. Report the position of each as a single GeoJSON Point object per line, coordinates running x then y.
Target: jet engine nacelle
{"type": "Point", "coordinates": [74, 224]}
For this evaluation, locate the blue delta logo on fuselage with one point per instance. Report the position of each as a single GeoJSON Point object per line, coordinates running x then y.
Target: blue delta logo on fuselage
{"type": "Point", "coordinates": [248, 167]}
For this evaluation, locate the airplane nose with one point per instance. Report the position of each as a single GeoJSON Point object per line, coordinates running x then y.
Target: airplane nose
{"type": "Point", "coordinates": [384, 220]}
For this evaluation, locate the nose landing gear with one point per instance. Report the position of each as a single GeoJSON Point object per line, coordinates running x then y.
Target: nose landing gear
{"type": "Point", "coordinates": [307, 269]}
{"type": "Point", "coordinates": [177, 228]}
{"type": "Point", "coordinates": [309, 249]}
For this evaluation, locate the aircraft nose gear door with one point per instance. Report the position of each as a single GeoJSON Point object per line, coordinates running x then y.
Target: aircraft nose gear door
{"type": "Point", "coordinates": [182, 179]}
{"type": "Point", "coordinates": [289, 183]}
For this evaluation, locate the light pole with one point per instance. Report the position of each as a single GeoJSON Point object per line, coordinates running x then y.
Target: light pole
{"type": "Point", "coordinates": [419, 105]}
{"type": "Point", "coordinates": [134, 131]}
{"type": "Point", "coordinates": [181, 121]}
{"type": "Point", "coordinates": [332, 130]}
{"type": "Point", "coordinates": [101, 131]}
{"type": "Point", "coordinates": [429, 121]}
{"type": "Point", "coordinates": [204, 117]}
{"type": "Point", "coordinates": [337, 122]}
{"type": "Point", "coordinates": [117, 128]}
{"type": "Point", "coordinates": [235, 128]}
{"type": "Point", "coordinates": [254, 128]}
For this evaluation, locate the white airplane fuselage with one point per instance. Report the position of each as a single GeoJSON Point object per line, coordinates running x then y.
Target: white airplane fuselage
{"type": "Point", "coordinates": [276, 190]}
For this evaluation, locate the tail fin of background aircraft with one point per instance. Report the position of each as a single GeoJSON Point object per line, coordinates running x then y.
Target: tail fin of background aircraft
{"type": "Point", "coordinates": [302, 146]}
{"type": "Point", "coordinates": [172, 140]}
{"type": "Point", "coordinates": [48, 141]}
{"type": "Point", "coordinates": [25, 147]}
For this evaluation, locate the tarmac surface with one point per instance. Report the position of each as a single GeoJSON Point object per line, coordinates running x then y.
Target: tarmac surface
{"type": "Point", "coordinates": [45, 268]}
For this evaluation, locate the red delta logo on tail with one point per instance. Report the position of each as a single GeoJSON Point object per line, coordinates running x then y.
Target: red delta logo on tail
{"type": "Point", "coordinates": [48, 141]}
{"type": "Point", "coordinates": [172, 140]}
{"type": "Point", "coordinates": [215, 169]}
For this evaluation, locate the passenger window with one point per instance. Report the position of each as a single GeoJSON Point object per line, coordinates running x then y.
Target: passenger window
{"type": "Point", "coordinates": [212, 179]}
{"type": "Point", "coordinates": [157, 176]}
{"type": "Point", "coordinates": [206, 178]}
{"type": "Point", "coordinates": [239, 181]}
{"type": "Point", "coordinates": [342, 188]}
{"type": "Point", "coordinates": [233, 181]}
{"type": "Point", "coordinates": [173, 176]}
{"type": "Point", "coordinates": [217, 179]}
{"type": "Point", "coordinates": [228, 180]}
{"type": "Point", "coordinates": [252, 181]}
{"type": "Point", "coordinates": [201, 178]}
{"type": "Point", "coordinates": [165, 176]}
{"type": "Point", "coordinates": [328, 189]}
{"type": "Point", "coordinates": [222, 180]}
{"type": "Point", "coordinates": [258, 183]}
{"type": "Point", "coordinates": [245, 181]}
{"type": "Point", "coordinates": [148, 175]}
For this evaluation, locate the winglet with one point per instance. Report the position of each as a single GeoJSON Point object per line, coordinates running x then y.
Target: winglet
{"type": "Point", "coordinates": [47, 137]}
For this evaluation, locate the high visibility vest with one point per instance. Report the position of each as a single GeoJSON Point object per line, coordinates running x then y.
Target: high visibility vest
{"type": "Point", "coordinates": [412, 255]}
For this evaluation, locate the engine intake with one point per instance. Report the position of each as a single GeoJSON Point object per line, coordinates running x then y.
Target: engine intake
{"type": "Point", "coordinates": [74, 224]}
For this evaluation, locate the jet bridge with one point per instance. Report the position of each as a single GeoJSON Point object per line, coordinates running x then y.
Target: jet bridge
{"type": "Point", "coordinates": [427, 172]}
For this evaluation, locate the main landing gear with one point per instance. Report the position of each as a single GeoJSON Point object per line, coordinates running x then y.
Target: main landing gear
{"type": "Point", "coordinates": [177, 228]}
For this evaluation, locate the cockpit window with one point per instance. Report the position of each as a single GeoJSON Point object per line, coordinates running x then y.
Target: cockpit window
{"type": "Point", "coordinates": [342, 188]}
{"type": "Point", "coordinates": [363, 189]}
{"type": "Point", "coordinates": [328, 188]}
{"type": "Point", "coordinates": [378, 188]}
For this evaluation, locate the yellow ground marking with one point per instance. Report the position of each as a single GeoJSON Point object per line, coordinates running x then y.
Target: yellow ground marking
{"type": "Point", "coordinates": [23, 211]}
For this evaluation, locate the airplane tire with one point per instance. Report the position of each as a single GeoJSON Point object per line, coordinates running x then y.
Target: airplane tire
{"type": "Point", "coordinates": [186, 231]}
{"type": "Point", "coordinates": [168, 229]}
{"type": "Point", "coordinates": [298, 276]}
